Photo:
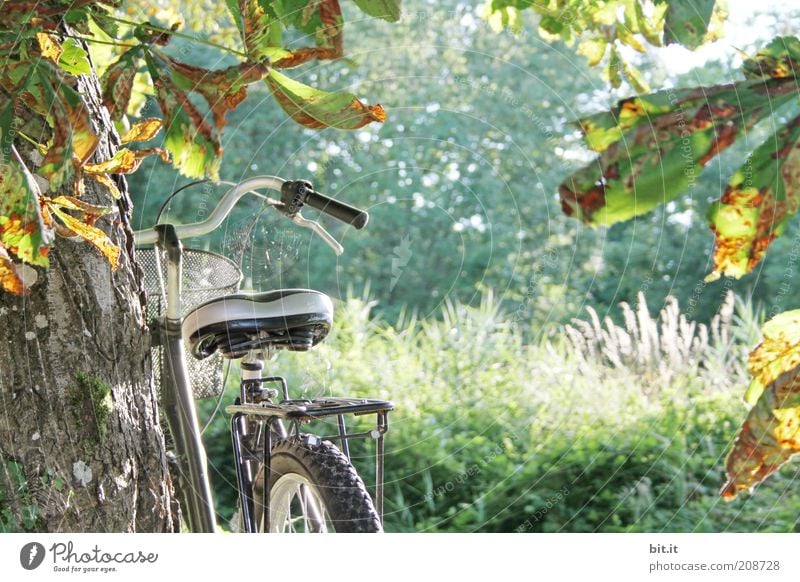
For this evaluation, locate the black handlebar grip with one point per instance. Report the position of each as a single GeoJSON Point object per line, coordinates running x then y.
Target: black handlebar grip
{"type": "Point", "coordinates": [339, 210]}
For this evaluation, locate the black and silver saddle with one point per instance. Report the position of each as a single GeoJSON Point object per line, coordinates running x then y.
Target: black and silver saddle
{"type": "Point", "coordinates": [293, 319]}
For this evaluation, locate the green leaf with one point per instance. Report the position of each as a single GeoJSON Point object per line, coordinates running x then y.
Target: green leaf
{"type": "Point", "coordinates": [687, 22]}
{"type": "Point", "coordinates": [74, 60]}
{"type": "Point", "coordinates": [235, 9]}
{"type": "Point", "coordinates": [318, 109]}
{"type": "Point", "coordinates": [22, 230]}
{"type": "Point", "coordinates": [192, 142]}
{"type": "Point", "coordinates": [102, 21]}
{"type": "Point", "coordinates": [770, 435]}
{"type": "Point", "coordinates": [386, 9]}
{"type": "Point", "coordinates": [551, 25]}
{"type": "Point", "coordinates": [654, 146]}
{"type": "Point", "coordinates": [759, 201]}
{"type": "Point", "coordinates": [7, 131]}
{"type": "Point", "coordinates": [613, 68]}
{"type": "Point", "coordinates": [30, 515]}
{"type": "Point", "coordinates": [646, 26]}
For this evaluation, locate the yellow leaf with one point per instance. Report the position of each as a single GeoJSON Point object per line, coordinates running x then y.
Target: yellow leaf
{"type": "Point", "coordinates": [770, 435]}
{"type": "Point", "coordinates": [72, 203]}
{"type": "Point", "coordinates": [787, 431]}
{"type": "Point", "coordinates": [125, 161]}
{"type": "Point", "coordinates": [143, 130]}
{"type": "Point", "coordinates": [593, 49]}
{"type": "Point", "coordinates": [49, 48]}
{"type": "Point", "coordinates": [625, 35]}
{"type": "Point", "coordinates": [106, 181]}
{"type": "Point", "coordinates": [778, 351]}
{"type": "Point", "coordinates": [10, 280]}
{"type": "Point", "coordinates": [90, 234]}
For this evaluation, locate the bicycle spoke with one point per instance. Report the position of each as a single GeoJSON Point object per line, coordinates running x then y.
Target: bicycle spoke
{"type": "Point", "coordinates": [297, 506]}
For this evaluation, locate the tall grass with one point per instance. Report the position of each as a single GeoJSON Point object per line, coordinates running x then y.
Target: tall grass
{"type": "Point", "coordinates": [601, 427]}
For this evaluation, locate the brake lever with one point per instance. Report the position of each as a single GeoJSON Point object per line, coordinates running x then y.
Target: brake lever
{"type": "Point", "coordinates": [299, 220]}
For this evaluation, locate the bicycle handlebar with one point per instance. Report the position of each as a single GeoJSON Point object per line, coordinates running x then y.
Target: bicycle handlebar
{"type": "Point", "coordinates": [229, 200]}
{"type": "Point", "coordinates": [293, 195]}
{"type": "Point", "coordinates": [339, 210]}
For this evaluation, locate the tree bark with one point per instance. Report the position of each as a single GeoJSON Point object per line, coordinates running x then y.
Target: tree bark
{"type": "Point", "coordinates": [81, 448]}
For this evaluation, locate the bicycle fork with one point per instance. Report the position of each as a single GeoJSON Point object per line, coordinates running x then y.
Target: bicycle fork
{"type": "Point", "coordinates": [178, 400]}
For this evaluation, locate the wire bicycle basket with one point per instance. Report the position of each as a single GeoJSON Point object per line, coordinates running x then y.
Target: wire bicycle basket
{"type": "Point", "coordinates": [206, 276]}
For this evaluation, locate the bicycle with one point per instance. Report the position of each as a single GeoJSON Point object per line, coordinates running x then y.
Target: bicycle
{"type": "Point", "coordinates": [287, 480]}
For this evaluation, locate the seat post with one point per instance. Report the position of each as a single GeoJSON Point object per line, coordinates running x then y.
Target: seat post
{"type": "Point", "coordinates": [252, 366]}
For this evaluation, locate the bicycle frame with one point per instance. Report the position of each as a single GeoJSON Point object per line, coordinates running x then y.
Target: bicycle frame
{"type": "Point", "coordinates": [177, 397]}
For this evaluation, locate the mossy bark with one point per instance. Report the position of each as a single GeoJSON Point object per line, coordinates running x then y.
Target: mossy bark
{"type": "Point", "coordinates": [80, 443]}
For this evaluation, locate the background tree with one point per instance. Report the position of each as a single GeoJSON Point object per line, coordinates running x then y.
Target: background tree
{"type": "Point", "coordinates": [652, 147]}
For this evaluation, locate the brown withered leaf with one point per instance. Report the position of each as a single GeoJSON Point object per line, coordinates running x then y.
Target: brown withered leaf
{"type": "Point", "coordinates": [261, 24]}
{"type": "Point", "coordinates": [117, 83]}
{"type": "Point", "coordinates": [759, 202]}
{"type": "Point", "coordinates": [652, 147]}
{"type": "Point", "coordinates": [769, 437]}
{"type": "Point", "coordinates": [222, 89]}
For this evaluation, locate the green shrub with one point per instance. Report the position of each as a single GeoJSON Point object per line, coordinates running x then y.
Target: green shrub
{"type": "Point", "coordinates": [583, 431]}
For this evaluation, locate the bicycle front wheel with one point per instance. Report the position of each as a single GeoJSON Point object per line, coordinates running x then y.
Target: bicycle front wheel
{"type": "Point", "coordinates": [314, 488]}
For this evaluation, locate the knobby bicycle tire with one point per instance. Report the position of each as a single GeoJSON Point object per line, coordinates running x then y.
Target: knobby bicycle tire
{"type": "Point", "coordinates": [346, 501]}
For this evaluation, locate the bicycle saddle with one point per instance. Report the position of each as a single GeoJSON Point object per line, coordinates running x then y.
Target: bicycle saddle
{"type": "Point", "coordinates": [293, 319]}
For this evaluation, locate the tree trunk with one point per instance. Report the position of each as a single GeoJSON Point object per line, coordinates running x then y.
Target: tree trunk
{"type": "Point", "coordinates": [81, 448]}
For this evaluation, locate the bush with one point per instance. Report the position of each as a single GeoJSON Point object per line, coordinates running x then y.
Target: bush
{"type": "Point", "coordinates": [595, 428]}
